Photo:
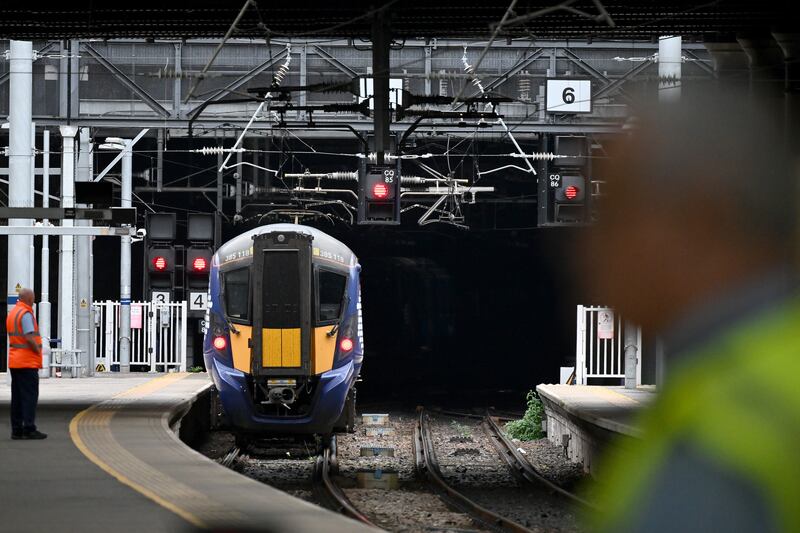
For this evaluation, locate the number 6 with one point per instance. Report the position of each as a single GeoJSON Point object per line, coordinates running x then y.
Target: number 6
{"type": "Point", "coordinates": [568, 95]}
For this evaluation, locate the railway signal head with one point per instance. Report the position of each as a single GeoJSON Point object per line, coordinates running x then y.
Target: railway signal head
{"type": "Point", "coordinates": [379, 194]}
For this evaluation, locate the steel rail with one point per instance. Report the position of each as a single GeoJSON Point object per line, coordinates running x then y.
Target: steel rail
{"type": "Point", "coordinates": [328, 490]}
{"type": "Point", "coordinates": [521, 467]}
{"type": "Point", "coordinates": [427, 464]}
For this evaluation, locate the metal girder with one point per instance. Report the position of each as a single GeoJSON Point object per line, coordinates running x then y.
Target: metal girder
{"type": "Point", "coordinates": [700, 63]}
{"type": "Point", "coordinates": [120, 154]}
{"type": "Point", "coordinates": [125, 80]}
{"type": "Point", "coordinates": [238, 82]}
{"type": "Point", "coordinates": [333, 61]}
{"type": "Point", "coordinates": [513, 71]}
{"type": "Point", "coordinates": [521, 127]}
{"type": "Point", "coordinates": [44, 50]}
{"type": "Point", "coordinates": [613, 86]}
{"type": "Point", "coordinates": [577, 60]}
{"type": "Point", "coordinates": [98, 231]}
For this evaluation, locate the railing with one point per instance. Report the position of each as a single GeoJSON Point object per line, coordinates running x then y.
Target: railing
{"type": "Point", "coordinates": [158, 336]}
{"type": "Point", "coordinates": [600, 346]}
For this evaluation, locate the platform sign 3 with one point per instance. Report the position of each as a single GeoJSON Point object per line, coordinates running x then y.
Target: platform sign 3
{"type": "Point", "coordinates": [198, 300]}
{"type": "Point", "coordinates": [160, 297]}
{"type": "Point", "coordinates": [568, 95]}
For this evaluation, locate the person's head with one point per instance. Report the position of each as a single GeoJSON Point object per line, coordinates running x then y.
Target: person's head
{"type": "Point", "coordinates": [27, 296]}
{"type": "Point", "coordinates": [701, 198]}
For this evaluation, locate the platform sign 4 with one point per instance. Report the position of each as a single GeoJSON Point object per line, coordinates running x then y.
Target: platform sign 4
{"type": "Point", "coordinates": [198, 300]}
{"type": "Point", "coordinates": [160, 297]}
{"type": "Point", "coordinates": [568, 95]}
{"type": "Point", "coordinates": [605, 324]}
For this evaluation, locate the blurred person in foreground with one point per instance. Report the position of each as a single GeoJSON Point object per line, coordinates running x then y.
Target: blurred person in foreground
{"type": "Point", "coordinates": [696, 243]}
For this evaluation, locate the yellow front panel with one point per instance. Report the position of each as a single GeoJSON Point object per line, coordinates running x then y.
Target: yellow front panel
{"type": "Point", "coordinates": [324, 347]}
{"type": "Point", "coordinates": [291, 347]}
{"type": "Point", "coordinates": [271, 348]}
{"type": "Point", "coordinates": [240, 346]}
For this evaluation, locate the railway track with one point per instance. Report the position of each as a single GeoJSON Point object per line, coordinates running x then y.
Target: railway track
{"type": "Point", "coordinates": [328, 491]}
{"type": "Point", "coordinates": [427, 465]}
{"type": "Point", "coordinates": [521, 467]}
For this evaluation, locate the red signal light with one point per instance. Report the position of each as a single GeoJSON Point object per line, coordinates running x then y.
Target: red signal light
{"type": "Point", "coordinates": [220, 343]}
{"type": "Point", "coordinates": [346, 344]}
{"type": "Point", "coordinates": [199, 264]}
{"type": "Point", "coordinates": [571, 192]}
{"type": "Point", "coordinates": [160, 263]}
{"type": "Point", "coordinates": [380, 191]}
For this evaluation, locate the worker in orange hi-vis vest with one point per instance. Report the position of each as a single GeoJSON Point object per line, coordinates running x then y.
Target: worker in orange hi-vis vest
{"type": "Point", "coordinates": [24, 362]}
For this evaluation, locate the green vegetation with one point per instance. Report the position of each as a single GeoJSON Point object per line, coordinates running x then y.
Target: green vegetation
{"type": "Point", "coordinates": [529, 427]}
{"type": "Point", "coordinates": [196, 369]}
{"type": "Point", "coordinates": [462, 430]}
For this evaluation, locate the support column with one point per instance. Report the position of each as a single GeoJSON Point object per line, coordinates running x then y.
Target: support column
{"type": "Point", "coordinates": [66, 259]}
{"type": "Point", "coordinates": [381, 40]}
{"type": "Point", "coordinates": [669, 69]}
{"type": "Point", "coordinates": [125, 267]}
{"type": "Point", "coordinates": [83, 244]}
{"type": "Point", "coordinates": [31, 202]}
{"type": "Point", "coordinates": [631, 336]}
{"type": "Point", "coordinates": [44, 297]}
{"type": "Point", "coordinates": [20, 153]}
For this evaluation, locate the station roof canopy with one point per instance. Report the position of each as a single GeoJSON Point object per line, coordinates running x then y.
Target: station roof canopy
{"type": "Point", "coordinates": [705, 20]}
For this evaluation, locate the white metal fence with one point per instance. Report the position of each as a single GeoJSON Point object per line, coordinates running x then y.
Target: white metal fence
{"type": "Point", "coordinates": [158, 335]}
{"type": "Point", "coordinates": [600, 345]}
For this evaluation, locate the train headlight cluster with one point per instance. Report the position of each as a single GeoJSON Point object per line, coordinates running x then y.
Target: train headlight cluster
{"type": "Point", "coordinates": [346, 344]}
{"type": "Point", "coordinates": [220, 343]}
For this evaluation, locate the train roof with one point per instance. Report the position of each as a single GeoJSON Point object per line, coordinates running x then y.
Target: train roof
{"type": "Point", "coordinates": [325, 247]}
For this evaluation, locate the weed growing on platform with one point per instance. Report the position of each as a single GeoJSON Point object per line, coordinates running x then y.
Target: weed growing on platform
{"type": "Point", "coordinates": [196, 369]}
{"type": "Point", "coordinates": [529, 427]}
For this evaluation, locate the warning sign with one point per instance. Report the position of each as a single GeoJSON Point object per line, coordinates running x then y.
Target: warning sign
{"type": "Point", "coordinates": [84, 304]}
{"type": "Point", "coordinates": [18, 288]}
{"type": "Point", "coordinates": [136, 317]}
{"type": "Point", "coordinates": [605, 324]}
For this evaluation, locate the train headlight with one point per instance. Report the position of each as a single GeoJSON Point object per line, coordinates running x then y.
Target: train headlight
{"type": "Point", "coordinates": [346, 344]}
{"type": "Point", "coordinates": [220, 343]}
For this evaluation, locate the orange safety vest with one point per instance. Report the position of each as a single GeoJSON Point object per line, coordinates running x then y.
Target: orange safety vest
{"type": "Point", "coordinates": [20, 354]}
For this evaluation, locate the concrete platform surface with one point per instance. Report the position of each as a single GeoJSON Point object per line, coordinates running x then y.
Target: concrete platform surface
{"type": "Point", "coordinates": [113, 462]}
{"type": "Point", "coordinates": [611, 408]}
{"type": "Point", "coordinates": [587, 419]}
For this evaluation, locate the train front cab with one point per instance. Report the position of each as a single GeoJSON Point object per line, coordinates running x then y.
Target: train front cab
{"type": "Point", "coordinates": [292, 325]}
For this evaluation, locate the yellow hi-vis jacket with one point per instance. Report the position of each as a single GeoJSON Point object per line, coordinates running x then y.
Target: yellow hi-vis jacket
{"type": "Point", "coordinates": [735, 403]}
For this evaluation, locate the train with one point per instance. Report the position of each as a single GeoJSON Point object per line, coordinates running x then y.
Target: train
{"type": "Point", "coordinates": [284, 339]}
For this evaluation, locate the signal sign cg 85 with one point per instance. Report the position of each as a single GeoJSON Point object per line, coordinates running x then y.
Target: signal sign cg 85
{"type": "Point", "coordinates": [568, 95]}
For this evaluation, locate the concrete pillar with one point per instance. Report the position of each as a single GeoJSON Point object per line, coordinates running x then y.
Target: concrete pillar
{"type": "Point", "coordinates": [669, 68]}
{"type": "Point", "coordinates": [125, 266]}
{"type": "Point", "coordinates": [20, 154]}
{"type": "Point", "coordinates": [730, 64]}
{"type": "Point", "coordinates": [631, 336]}
{"type": "Point", "coordinates": [83, 244]}
{"type": "Point", "coordinates": [66, 259]}
{"type": "Point", "coordinates": [45, 313]}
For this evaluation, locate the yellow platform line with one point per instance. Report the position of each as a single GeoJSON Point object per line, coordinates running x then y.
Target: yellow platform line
{"type": "Point", "coordinates": [103, 419]}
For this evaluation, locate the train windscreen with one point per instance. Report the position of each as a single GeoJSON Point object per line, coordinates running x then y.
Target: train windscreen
{"type": "Point", "coordinates": [237, 293]}
{"type": "Point", "coordinates": [281, 285]}
{"type": "Point", "coordinates": [331, 295]}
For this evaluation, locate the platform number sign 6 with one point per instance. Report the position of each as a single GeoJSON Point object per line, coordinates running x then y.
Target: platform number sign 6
{"type": "Point", "coordinates": [568, 95]}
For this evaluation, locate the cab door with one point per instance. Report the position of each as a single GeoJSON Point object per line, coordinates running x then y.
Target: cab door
{"type": "Point", "coordinates": [281, 274]}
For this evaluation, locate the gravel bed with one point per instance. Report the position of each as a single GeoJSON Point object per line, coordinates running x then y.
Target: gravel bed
{"type": "Point", "coordinates": [285, 467]}
{"type": "Point", "coordinates": [471, 463]}
{"type": "Point", "coordinates": [412, 507]}
{"type": "Point", "coordinates": [551, 462]}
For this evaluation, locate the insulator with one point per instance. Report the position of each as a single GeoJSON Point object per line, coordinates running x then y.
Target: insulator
{"type": "Point", "coordinates": [345, 176]}
{"type": "Point", "coordinates": [280, 74]}
{"type": "Point", "coordinates": [213, 150]}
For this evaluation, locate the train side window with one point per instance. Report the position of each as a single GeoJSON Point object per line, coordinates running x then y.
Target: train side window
{"type": "Point", "coordinates": [237, 294]}
{"type": "Point", "coordinates": [330, 295]}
